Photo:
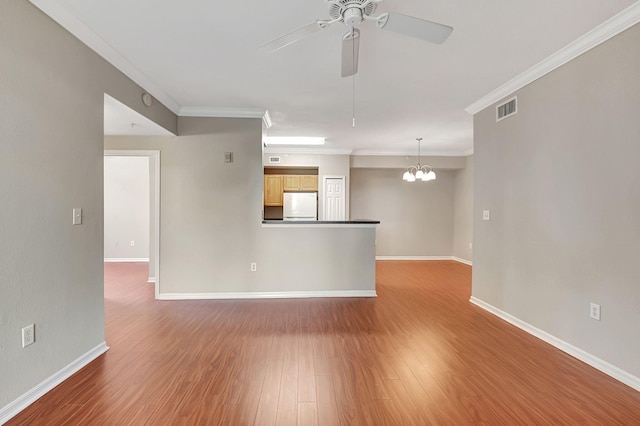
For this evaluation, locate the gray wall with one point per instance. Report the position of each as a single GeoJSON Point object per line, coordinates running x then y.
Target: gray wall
{"type": "Point", "coordinates": [51, 160]}
{"type": "Point", "coordinates": [417, 219]}
{"type": "Point", "coordinates": [210, 211]}
{"type": "Point", "coordinates": [211, 225]}
{"type": "Point", "coordinates": [463, 212]}
{"type": "Point", "coordinates": [561, 179]}
{"type": "Point", "coordinates": [126, 207]}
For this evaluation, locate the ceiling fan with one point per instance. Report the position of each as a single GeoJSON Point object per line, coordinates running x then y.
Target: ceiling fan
{"type": "Point", "coordinates": [352, 13]}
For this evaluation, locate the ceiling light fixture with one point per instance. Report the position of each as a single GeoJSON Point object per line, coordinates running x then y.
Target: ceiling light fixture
{"type": "Point", "coordinates": [424, 173]}
{"type": "Point", "coordinates": [293, 140]}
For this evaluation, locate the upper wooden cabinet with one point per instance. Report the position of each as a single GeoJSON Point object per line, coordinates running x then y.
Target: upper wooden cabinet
{"type": "Point", "coordinates": [300, 182]}
{"type": "Point", "coordinates": [273, 190]}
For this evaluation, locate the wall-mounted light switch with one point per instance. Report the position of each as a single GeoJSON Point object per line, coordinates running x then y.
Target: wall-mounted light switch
{"type": "Point", "coordinates": [77, 216]}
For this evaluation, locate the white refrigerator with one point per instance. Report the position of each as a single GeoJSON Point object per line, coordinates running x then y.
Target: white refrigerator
{"type": "Point", "coordinates": [300, 206]}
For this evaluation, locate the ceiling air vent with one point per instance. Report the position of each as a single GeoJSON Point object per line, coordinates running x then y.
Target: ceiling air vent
{"type": "Point", "coordinates": [507, 109]}
{"type": "Point", "coordinates": [274, 160]}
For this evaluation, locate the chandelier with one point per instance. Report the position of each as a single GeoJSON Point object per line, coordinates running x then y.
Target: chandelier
{"type": "Point", "coordinates": [424, 173]}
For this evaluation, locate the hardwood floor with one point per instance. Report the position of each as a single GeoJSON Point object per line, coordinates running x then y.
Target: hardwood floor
{"type": "Point", "coordinates": [419, 354]}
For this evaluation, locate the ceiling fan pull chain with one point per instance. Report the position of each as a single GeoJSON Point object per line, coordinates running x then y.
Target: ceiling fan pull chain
{"type": "Point", "coordinates": [353, 83]}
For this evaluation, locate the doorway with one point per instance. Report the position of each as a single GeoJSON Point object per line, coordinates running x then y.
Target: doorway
{"type": "Point", "coordinates": [334, 198]}
{"type": "Point", "coordinates": [153, 208]}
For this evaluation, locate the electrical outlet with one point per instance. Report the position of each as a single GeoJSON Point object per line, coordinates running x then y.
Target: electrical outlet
{"type": "Point", "coordinates": [254, 266]}
{"type": "Point", "coordinates": [77, 217]}
{"type": "Point", "coordinates": [486, 214]}
{"type": "Point", "coordinates": [132, 243]}
{"type": "Point", "coordinates": [594, 311]}
{"type": "Point", "coordinates": [28, 335]}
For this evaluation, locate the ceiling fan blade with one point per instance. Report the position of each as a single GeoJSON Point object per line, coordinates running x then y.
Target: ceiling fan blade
{"type": "Point", "coordinates": [415, 27]}
{"type": "Point", "coordinates": [292, 37]}
{"type": "Point", "coordinates": [350, 48]}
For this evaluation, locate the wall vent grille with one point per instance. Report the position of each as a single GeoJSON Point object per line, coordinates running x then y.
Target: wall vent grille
{"type": "Point", "coordinates": [507, 109]}
{"type": "Point", "coordinates": [274, 160]}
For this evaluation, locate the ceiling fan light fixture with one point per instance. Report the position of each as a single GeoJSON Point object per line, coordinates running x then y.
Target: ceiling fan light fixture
{"type": "Point", "coordinates": [419, 172]}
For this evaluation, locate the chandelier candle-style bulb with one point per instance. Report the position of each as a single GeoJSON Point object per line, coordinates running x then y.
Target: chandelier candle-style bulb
{"type": "Point", "coordinates": [424, 173]}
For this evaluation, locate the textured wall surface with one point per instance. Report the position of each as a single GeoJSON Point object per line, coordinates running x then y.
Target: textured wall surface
{"type": "Point", "coordinates": [126, 207]}
{"type": "Point", "coordinates": [463, 212]}
{"type": "Point", "coordinates": [51, 160]}
{"type": "Point", "coordinates": [417, 218]}
{"type": "Point", "coordinates": [561, 180]}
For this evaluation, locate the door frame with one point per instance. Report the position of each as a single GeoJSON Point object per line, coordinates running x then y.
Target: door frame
{"type": "Point", "coordinates": [324, 194]}
{"type": "Point", "coordinates": [154, 183]}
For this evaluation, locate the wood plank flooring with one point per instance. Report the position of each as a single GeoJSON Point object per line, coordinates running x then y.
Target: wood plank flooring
{"type": "Point", "coordinates": [419, 354]}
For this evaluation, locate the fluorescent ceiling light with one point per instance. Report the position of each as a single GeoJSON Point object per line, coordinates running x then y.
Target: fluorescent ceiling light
{"type": "Point", "coordinates": [293, 140]}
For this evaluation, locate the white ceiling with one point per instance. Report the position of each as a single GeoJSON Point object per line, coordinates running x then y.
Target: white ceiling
{"type": "Point", "coordinates": [203, 54]}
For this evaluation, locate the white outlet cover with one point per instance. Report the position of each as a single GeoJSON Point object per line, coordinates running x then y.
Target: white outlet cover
{"type": "Point", "coordinates": [594, 311]}
{"type": "Point", "coordinates": [486, 214]}
{"type": "Point", "coordinates": [28, 336]}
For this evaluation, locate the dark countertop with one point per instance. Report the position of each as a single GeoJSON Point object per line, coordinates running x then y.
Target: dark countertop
{"type": "Point", "coordinates": [322, 222]}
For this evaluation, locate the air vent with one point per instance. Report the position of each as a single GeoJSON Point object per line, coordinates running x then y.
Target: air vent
{"type": "Point", "coordinates": [507, 109]}
{"type": "Point", "coordinates": [274, 160]}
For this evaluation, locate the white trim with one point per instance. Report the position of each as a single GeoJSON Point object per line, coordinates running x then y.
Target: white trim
{"type": "Point", "coordinates": [66, 18]}
{"type": "Point", "coordinates": [125, 259]}
{"type": "Point", "coordinates": [313, 224]}
{"type": "Point", "coordinates": [13, 408]}
{"type": "Point", "coordinates": [456, 259]}
{"type": "Point", "coordinates": [310, 151]}
{"type": "Point", "coordinates": [374, 152]}
{"type": "Point", "coordinates": [414, 257]}
{"type": "Point", "coordinates": [154, 156]}
{"type": "Point", "coordinates": [267, 295]}
{"type": "Point", "coordinates": [465, 261]}
{"type": "Point", "coordinates": [191, 111]}
{"type": "Point", "coordinates": [603, 32]}
{"type": "Point", "coordinates": [597, 363]}
{"type": "Point", "coordinates": [266, 120]}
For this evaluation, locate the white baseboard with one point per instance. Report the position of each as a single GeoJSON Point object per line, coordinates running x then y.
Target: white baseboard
{"type": "Point", "coordinates": [267, 295]}
{"type": "Point", "coordinates": [457, 259]}
{"type": "Point", "coordinates": [31, 396]}
{"type": "Point", "coordinates": [597, 363]}
{"type": "Point", "coordinates": [126, 259]}
{"type": "Point", "coordinates": [414, 257]}
{"type": "Point", "coordinates": [151, 280]}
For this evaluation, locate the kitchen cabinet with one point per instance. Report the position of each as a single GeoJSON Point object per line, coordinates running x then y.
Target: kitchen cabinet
{"type": "Point", "coordinates": [273, 190]}
{"type": "Point", "coordinates": [300, 183]}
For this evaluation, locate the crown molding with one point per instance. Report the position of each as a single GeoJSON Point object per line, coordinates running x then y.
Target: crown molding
{"type": "Point", "coordinates": [190, 111]}
{"type": "Point", "coordinates": [309, 151]}
{"type": "Point", "coordinates": [412, 153]}
{"type": "Point", "coordinates": [603, 32]}
{"type": "Point", "coordinates": [82, 32]}
{"type": "Point", "coordinates": [266, 120]}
